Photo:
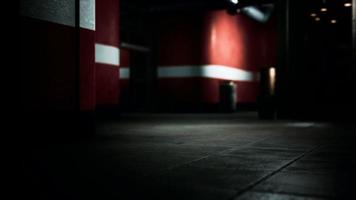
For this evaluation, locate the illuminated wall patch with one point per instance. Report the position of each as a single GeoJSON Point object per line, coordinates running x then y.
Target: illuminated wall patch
{"type": "Point", "coordinates": [87, 14]}
{"type": "Point", "coordinates": [60, 12]}
{"type": "Point", "coordinates": [107, 54]}
{"type": "Point", "coordinates": [124, 73]}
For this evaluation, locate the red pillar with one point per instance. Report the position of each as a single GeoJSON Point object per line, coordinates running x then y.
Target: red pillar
{"type": "Point", "coordinates": [107, 55]}
{"type": "Point", "coordinates": [199, 52]}
{"type": "Point", "coordinates": [87, 22]}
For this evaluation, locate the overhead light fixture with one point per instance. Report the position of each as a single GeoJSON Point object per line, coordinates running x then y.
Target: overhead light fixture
{"type": "Point", "coordinates": [234, 1]}
{"type": "Point", "coordinates": [347, 4]}
{"type": "Point", "coordinates": [333, 21]}
{"type": "Point", "coordinates": [317, 19]}
{"type": "Point", "coordinates": [313, 14]}
{"type": "Point", "coordinates": [323, 9]}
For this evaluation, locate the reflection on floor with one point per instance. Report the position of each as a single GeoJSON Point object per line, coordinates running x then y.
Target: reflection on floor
{"type": "Point", "coordinates": [196, 156]}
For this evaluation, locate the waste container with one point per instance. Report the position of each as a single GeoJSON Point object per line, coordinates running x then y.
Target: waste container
{"type": "Point", "coordinates": [228, 97]}
{"type": "Point", "coordinates": [266, 99]}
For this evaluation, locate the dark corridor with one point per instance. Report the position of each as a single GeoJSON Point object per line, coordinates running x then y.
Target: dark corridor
{"type": "Point", "coordinates": [187, 99]}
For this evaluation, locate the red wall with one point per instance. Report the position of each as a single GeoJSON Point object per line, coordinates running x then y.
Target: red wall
{"type": "Point", "coordinates": [180, 39]}
{"type": "Point", "coordinates": [124, 83]}
{"type": "Point", "coordinates": [238, 41]}
{"type": "Point", "coordinates": [180, 43]}
{"type": "Point", "coordinates": [232, 41]}
{"type": "Point", "coordinates": [56, 70]}
{"type": "Point", "coordinates": [50, 53]}
{"type": "Point", "coordinates": [107, 33]}
{"type": "Point", "coordinates": [213, 38]}
{"type": "Point", "coordinates": [87, 70]}
{"type": "Point", "coordinates": [48, 63]}
{"type": "Point", "coordinates": [124, 58]}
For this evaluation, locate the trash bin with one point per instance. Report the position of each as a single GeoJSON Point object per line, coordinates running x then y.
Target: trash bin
{"type": "Point", "coordinates": [266, 100]}
{"type": "Point", "coordinates": [228, 97]}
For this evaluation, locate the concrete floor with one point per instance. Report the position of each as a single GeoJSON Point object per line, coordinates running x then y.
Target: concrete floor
{"type": "Point", "coordinates": [198, 156]}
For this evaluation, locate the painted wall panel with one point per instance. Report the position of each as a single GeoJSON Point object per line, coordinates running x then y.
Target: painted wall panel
{"type": "Point", "coordinates": [52, 79]}
{"type": "Point", "coordinates": [232, 40]}
{"type": "Point", "coordinates": [221, 47]}
{"type": "Point", "coordinates": [48, 65]}
{"type": "Point", "coordinates": [107, 22]}
{"type": "Point", "coordinates": [124, 58]}
{"type": "Point", "coordinates": [107, 53]}
{"type": "Point", "coordinates": [180, 40]}
{"type": "Point", "coordinates": [60, 12]}
{"type": "Point", "coordinates": [87, 70]}
{"type": "Point", "coordinates": [86, 54]}
{"type": "Point", "coordinates": [107, 88]}
{"type": "Point", "coordinates": [124, 78]}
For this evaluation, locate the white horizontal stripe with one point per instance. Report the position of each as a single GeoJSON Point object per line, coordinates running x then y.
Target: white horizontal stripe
{"type": "Point", "coordinates": [106, 54]}
{"type": "Point", "coordinates": [204, 71]}
{"type": "Point", "coordinates": [60, 12]}
{"type": "Point", "coordinates": [179, 71]}
{"type": "Point", "coordinates": [124, 73]}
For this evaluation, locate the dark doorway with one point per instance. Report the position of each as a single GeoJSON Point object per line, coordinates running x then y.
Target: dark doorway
{"type": "Point", "coordinates": [142, 79]}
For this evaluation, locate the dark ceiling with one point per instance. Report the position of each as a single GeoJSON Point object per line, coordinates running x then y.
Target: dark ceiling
{"type": "Point", "coordinates": [135, 14]}
{"type": "Point", "coordinates": [335, 8]}
{"type": "Point", "coordinates": [172, 5]}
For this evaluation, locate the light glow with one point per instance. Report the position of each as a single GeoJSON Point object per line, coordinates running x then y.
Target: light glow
{"type": "Point", "coordinates": [313, 14]}
{"type": "Point", "coordinates": [347, 4]}
{"type": "Point", "coordinates": [317, 19]}
{"type": "Point", "coordinates": [323, 9]}
{"type": "Point", "coordinates": [333, 21]}
{"type": "Point", "coordinates": [272, 80]}
{"type": "Point", "coordinates": [234, 1]}
{"type": "Point", "coordinates": [255, 13]}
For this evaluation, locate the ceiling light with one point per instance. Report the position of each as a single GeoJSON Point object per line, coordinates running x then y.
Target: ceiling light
{"type": "Point", "coordinates": [234, 1]}
{"type": "Point", "coordinates": [347, 4]}
{"type": "Point", "coordinates": [313, 15]}
{"type": "Point", "coordinates": [317, 19]}
{"type": "Point", "coordinates": [333, 21]}
{"type": "Point", "coordinates": [323, 9]}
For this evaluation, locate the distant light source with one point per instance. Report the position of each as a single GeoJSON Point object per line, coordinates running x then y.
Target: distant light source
{"type": "Point", "coordinates": [323, 9]}
{"type": "Point", "coordinates": [317, 19]}
{"type": "Point", "coordinates": [333, 21]}
{"type": "Point", "coordinates": [272, 80]}
{"type": "Point", "coordinates": [234, 1]}
{"type": "Point", "coordinates": [347, 4]}
{"type": "Point", "coordinates": [313, 14]}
